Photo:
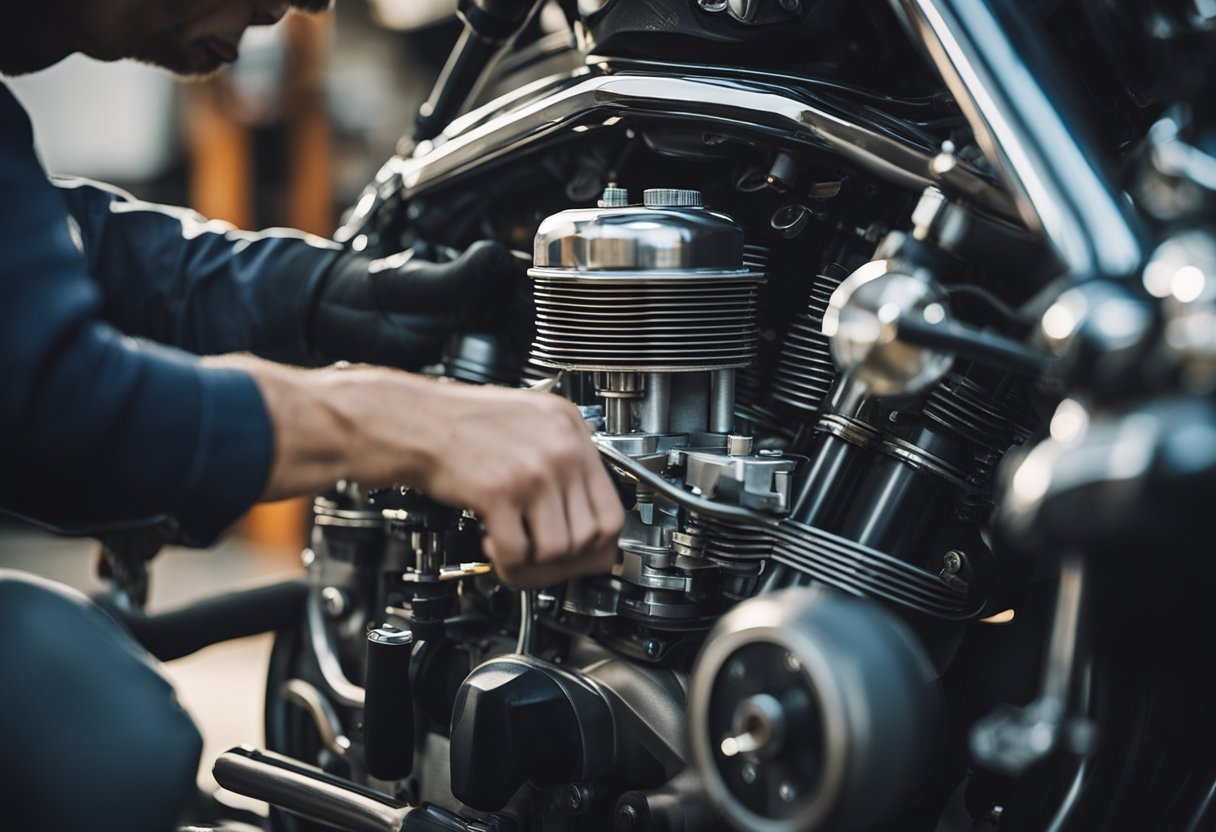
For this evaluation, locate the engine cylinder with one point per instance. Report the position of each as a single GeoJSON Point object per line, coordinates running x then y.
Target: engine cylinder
{"type": "Point", "coordinates": [659, 287]}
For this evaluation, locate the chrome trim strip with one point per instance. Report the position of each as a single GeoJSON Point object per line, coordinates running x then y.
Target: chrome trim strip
{"type": "Point", "coordinates": [1002, 77]}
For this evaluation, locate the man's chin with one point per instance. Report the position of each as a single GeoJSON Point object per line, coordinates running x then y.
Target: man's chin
{"type": "Point", "coordinates": [189, 64]}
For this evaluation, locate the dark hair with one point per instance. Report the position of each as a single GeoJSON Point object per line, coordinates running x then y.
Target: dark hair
{"type": "Point", "coordinates": [311, 5]}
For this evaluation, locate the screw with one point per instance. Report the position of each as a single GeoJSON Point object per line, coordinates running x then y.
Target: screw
{"type": "Point", "coordinates": [787, 792]}
{"type": "Point", "coordinates": [749, 773]}
{"type": "Point", "coordinates": [952, 562]}
{"type": "Point", "coordinates": [653, 648]}
{"type": "Point", "coordinates": [792, 664]}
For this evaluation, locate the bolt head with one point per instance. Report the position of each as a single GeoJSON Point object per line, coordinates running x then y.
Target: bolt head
{"type": "Point", "coordinates": [952, 562]}
{"type": "Point", "coordinates": [653, 648]}
{"type": "Point", "coordinates": [791, 6]}
{"type": "Point", "coordinates": [749, 773]}
{"type": "Point", "coordinates": [787, 792]}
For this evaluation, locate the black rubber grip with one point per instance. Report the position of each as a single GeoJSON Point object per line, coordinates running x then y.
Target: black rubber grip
{"type": "Point", "coordinates": [388, 707]}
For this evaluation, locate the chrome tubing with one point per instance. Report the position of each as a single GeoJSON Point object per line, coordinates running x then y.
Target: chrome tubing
{"type": "Point", "coordinates": [999, 72]}
{"type": "Point", "coordinates": [308, 792]}
{"type": "Point", "coordinates": [599, 94]}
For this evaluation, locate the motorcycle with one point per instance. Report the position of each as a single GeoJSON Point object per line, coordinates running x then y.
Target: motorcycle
{"type": "Point", "coordinates": [894, 324]}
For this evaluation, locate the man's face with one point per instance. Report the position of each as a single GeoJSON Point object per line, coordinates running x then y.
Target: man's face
{"type": "Point", "coordinates": [189, 37]}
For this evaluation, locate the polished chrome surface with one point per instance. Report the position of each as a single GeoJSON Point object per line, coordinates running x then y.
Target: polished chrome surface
{"type": "Point", "coordinates": [661, 237]}
{"type": "Point", "coordinates": [308, 792]}
{"type": "Point", "coordinates": [1001, 75]}
{"type": "Point", "coordinates": [325, 653]}
{"type": "Point", "coordinates": [324, 717]}
{"type": "Point", "coordinates": [862, 321]}
{"type": "Point", "coordinates": [644, 290]}
{"type": "Point", "coordinates": [601, 92]}
{"type": "Point", "coordinates": [671, 198]}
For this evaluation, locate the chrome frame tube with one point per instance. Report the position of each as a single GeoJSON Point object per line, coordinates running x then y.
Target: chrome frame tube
{"type": "Point", "coordinates": [308, 792]}
{"type": "Point", "coordinates": [600, 93]}
{"type": "Point", "coordinates": [1001, 75]}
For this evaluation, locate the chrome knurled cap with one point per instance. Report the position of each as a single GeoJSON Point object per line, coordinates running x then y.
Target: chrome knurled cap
{"type": "Point", "coordinates": [671, 198]}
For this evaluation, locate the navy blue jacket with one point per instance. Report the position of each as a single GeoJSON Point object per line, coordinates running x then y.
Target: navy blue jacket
{"type": "Point", "coordinates": [99, 425]}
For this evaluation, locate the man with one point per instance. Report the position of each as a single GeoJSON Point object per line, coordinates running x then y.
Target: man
{"type": "Point", "coordinates": [99, 428]}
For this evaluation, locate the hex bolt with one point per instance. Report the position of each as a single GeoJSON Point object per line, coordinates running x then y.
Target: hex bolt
{"type": "Point", "coordinates": [952, 562]}
{"type": "Point", "coordinates": [653, 648]}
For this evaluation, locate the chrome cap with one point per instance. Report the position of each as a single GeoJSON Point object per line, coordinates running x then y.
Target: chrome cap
{"type": "Point", "coordinates": [637, 238]}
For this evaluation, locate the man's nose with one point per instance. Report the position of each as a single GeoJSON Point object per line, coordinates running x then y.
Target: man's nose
{"type": "Point", "coordinates": [268, 12]}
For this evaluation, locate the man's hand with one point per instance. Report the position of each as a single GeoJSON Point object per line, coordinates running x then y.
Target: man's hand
{"type": "Point", "coordinates": [358, 311]}
{"type": "Point", "coordinates": [522, 461]}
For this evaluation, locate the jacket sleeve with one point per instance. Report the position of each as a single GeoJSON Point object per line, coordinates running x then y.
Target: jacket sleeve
{"type": "Point", "coordinates": [172, 276]}
{"type": "Point", "coordinates": [96, 427]}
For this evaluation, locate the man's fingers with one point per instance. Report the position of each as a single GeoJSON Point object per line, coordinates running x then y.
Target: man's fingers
{"type": "Point", "coordinates": [534, 575]}
{"type": "Point", "coordinates": [506, 543]}
{"type": "Point", "coordinates": [548, 526]}
{"type": "Point", "coordinates": [586, 533]}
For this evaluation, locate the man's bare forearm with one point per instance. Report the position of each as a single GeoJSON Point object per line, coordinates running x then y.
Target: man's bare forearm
{"type": "Point", "coordinates": [522, 461]}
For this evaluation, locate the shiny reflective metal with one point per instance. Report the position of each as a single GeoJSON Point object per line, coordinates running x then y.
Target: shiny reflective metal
{"type": "Point", "coordinates": [671, 198]}
{"type": "Point", "coordinates": [613, 197]}
{"type": "Point", "coordinates": [659, 236]}
{"type": "Point", "coordinates": [606, 89]}
{"type": "Point", "coordinates": [308, 792]}
{"type": "Point", "coordinates": [1002, 75]}
{"type": "Point", "coordinates": [743, 10]}
{"type": "Point", "coordinates": [643, 290]}
{"type": "Point", "coordinates": [755, 482]}
{"type": "Point", "coordinates": [1182, 271]}
{"type": "Point", "coordinates": [324, 717]}
{"type": "Point", "coordinates": [325, 654]}
{"type": "Point", "coordinates": [863, 319]}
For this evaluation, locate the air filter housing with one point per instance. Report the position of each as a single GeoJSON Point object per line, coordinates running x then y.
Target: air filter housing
{"type": "Point", "coordinates": [658, 287]}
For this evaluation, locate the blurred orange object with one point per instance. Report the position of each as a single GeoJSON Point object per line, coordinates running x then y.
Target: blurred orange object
{"type": "Point", "coordinates": [223, 186]}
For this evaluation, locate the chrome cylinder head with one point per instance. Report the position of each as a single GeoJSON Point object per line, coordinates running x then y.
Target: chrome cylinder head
{"type": "Point", "coordinates": [659, 287]}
